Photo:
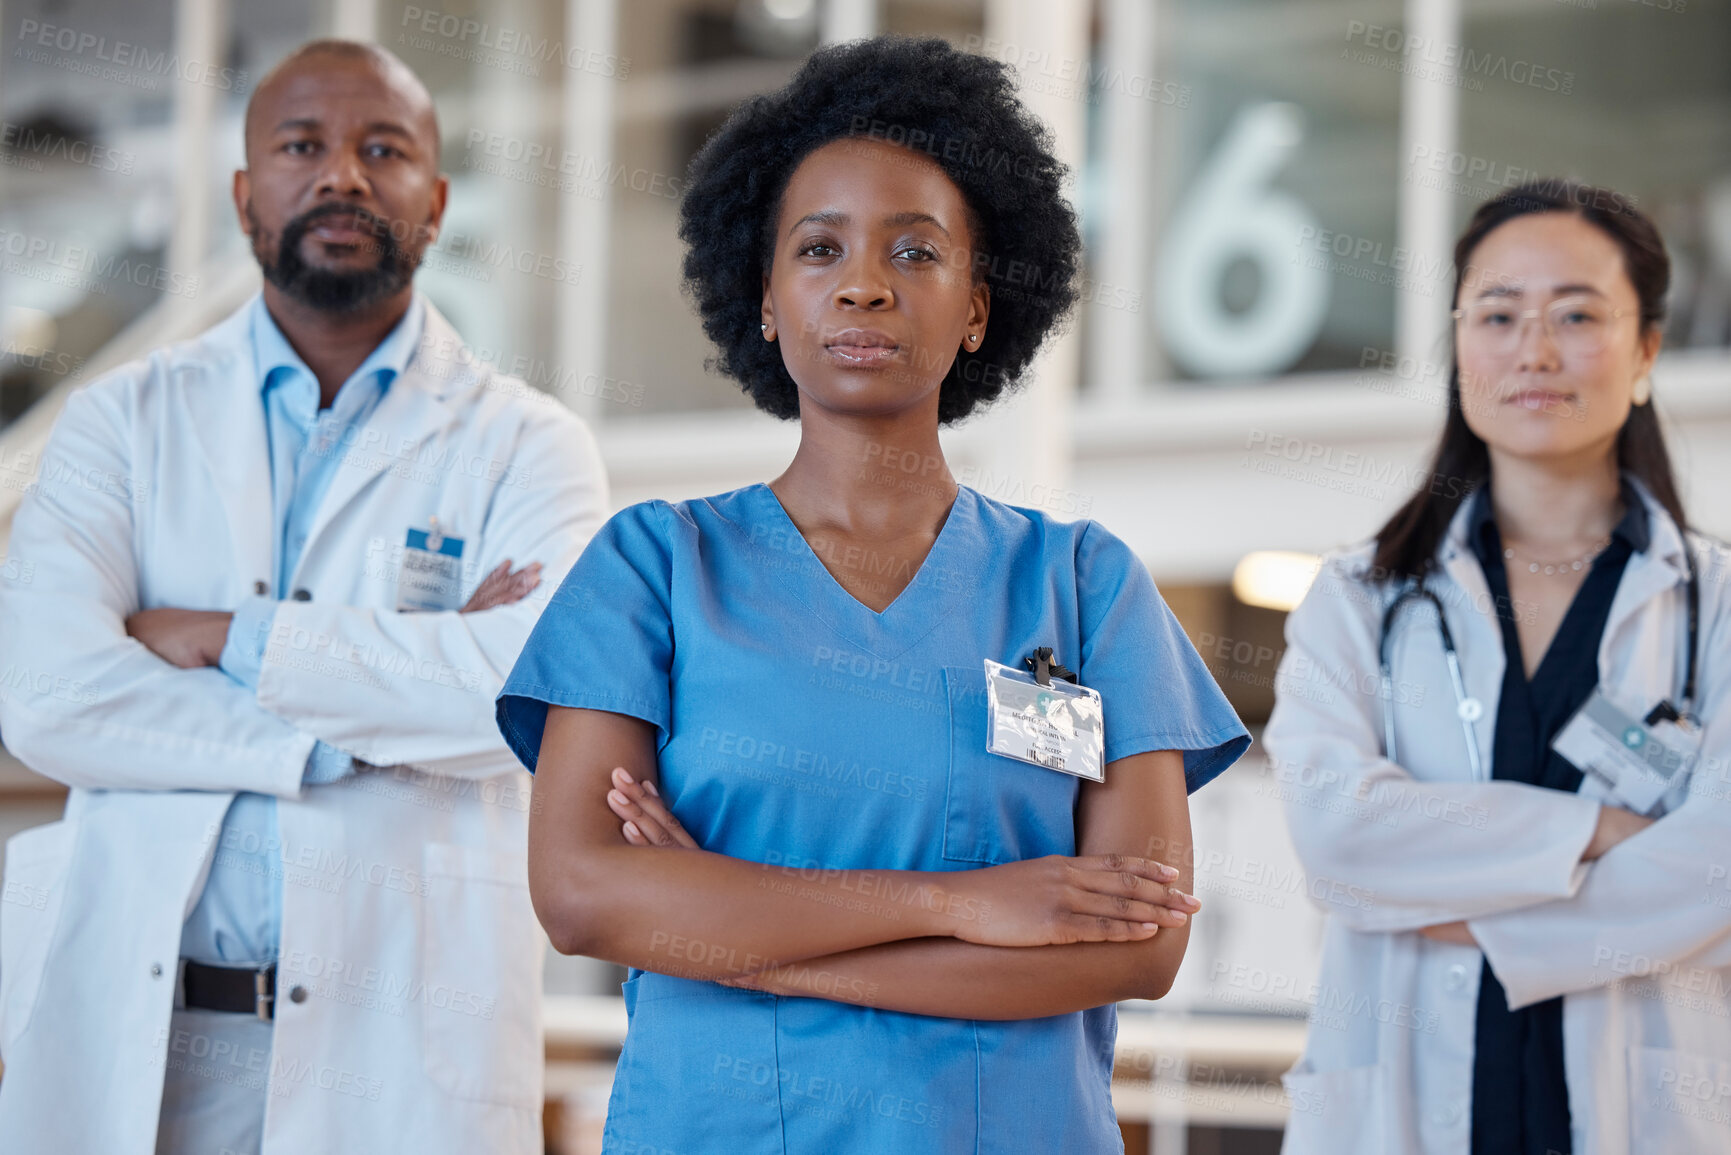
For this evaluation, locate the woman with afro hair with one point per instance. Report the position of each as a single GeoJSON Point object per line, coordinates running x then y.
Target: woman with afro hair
{"type": "Point", "coordinates": [761, 719]}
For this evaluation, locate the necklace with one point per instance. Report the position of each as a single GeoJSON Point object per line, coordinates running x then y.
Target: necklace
{"type": "Point", "coordinates": [1561, 566]}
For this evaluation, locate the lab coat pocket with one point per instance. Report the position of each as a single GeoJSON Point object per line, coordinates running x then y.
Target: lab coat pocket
{"type": "Point", "coordinates": [998, 809]}
{"type": "Point", "coordinates": [1679, 1103]}
{"type": "Point", "coordinates": [34, 885]}
{"type": "Point", "coordinates": [482, 954]}
{"type": "Point", "coordinates": [1342, 1112]}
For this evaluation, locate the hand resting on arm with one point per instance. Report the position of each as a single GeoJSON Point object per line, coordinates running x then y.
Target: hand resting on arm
{"type": "Point", "coordinates": [194, 638]}
{"type": "Point", "coordinates": [598, 894]}
{"type": "Point", "coordinates": [973, 974]}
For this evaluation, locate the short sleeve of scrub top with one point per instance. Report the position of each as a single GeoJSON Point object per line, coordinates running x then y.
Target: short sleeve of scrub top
{"type": "Point", "coordinates": [800, 729]}
{"type": "Point", "coordinates": [1135, 653]}
{"type": "Point", "coordinates": [605, 641]}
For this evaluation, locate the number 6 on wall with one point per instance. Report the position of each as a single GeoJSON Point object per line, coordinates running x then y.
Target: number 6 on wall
{"type": "Point", "coordinates": [1232, 214]}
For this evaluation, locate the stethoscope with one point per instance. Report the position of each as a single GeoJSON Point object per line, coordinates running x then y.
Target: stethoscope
{"type": "Point", "coordinates": [1469, 709]}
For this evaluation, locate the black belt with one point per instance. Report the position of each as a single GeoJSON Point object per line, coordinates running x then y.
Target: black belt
{"type": "Point", "coordinates": [242, 990]}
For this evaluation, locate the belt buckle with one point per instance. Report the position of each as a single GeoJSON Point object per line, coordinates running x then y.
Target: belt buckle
{"type": "Point", "coordinates": [264, 992]}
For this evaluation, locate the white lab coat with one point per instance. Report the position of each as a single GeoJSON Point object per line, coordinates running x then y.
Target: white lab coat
{"type": "Point", "coordinates": [1637, 943]}
{"type": "Point", "coordinates": [406, 918]}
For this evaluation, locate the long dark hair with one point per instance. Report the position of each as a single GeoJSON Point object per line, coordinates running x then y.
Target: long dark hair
{"type": "Point", "coordinates": [1406, 546]}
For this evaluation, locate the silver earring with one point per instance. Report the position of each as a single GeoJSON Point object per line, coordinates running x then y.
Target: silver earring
{"type": "Point", "coordinates": [973, 336]}
{"type": "Point", "coordinates": [1643, 391]}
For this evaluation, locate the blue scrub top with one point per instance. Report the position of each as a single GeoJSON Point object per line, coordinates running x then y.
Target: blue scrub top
{"type": "Point", "coordinates": [800, 728]}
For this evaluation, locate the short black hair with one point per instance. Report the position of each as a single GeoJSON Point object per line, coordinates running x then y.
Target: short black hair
{"type": "Point", "coordinates": [956, 108]}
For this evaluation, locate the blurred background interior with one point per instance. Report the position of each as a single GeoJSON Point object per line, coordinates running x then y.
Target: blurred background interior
{"type": "Point", "coordinates": [1269, 190]}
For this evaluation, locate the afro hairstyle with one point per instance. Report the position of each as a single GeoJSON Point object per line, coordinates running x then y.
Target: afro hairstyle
{"type": "Point", "coordinates": [956, 108]}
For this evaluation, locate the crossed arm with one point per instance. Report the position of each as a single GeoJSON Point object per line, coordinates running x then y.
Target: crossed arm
{"type": "Point", "coordinates": [1024, 940]}
{"type": "Point", "coordinates": [1614, 825]}
{"type": "Point", "coordinates": [101, 708]}
{"type": "Point", "coordinates": [1518, 857]}
{"type": "Point", "coordinates": [193, 638]}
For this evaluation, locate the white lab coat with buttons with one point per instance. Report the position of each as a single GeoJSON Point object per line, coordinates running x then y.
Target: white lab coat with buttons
{"type": "Point", "coordinates": [1638, 943]}
{"type": "Point", "coordinates": [406, 923]}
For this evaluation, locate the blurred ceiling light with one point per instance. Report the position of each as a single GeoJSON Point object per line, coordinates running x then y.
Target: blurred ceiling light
{"type": "Point", "coordinates": [789, 9]}
{"type": "Point", "coordinates": [781, 28]}
{"type": "Point", "coordinates": [152, 219]}
{"type": "Point", "coordinates": [28, 330]}
{"type": "Point", "coordinates": [1274, 579]}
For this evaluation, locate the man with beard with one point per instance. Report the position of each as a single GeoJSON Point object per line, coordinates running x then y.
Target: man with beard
{"type": "Point", "coordinates": [287, 909]}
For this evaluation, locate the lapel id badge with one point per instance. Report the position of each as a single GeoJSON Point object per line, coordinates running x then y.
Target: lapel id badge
{"type": "Point", "coordinates": [1638, 760]}
{"type": "Point", "coordinates": [1045, 722]}
{"type": "Point", "coordinates": [431, 577]}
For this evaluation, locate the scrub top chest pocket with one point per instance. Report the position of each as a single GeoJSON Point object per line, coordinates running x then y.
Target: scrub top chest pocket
{"type": "Point", "coordinates": [998, 809]}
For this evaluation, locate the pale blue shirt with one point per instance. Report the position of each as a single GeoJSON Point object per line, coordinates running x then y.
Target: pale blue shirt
{"type": "Point", "coordinates": [238, 919]}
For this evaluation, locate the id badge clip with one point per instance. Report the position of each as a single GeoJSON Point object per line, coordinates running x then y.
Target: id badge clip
{"type": "Point", "coordinates": [1045, 722]}
{"type": "Point", "coordinates": [431, 577]}
{"type": "Point", "coordinates": [1639, 759]}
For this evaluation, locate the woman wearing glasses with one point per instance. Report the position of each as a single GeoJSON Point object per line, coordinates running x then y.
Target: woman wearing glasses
{"type": "Point", "coordinates": [1537, 796]}
{"type": "Point", "coordinates": [857, 921]}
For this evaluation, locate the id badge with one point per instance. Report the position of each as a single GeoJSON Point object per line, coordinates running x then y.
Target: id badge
{"type": "Point", "coordinates": [1639, 763]}
{"type": "Point", "coordinates": [1061, 726]}
{"type": "Point", "coordinates": [431, 577]}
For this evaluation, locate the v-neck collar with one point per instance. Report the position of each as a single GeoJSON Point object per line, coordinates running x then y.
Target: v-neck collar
{"type": "Point", "coordinates": [1631, 535]}
{"type": "Point", "coordinates": [1585, 605]}
{"type": "Point", "coordinates": [906, 620]}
